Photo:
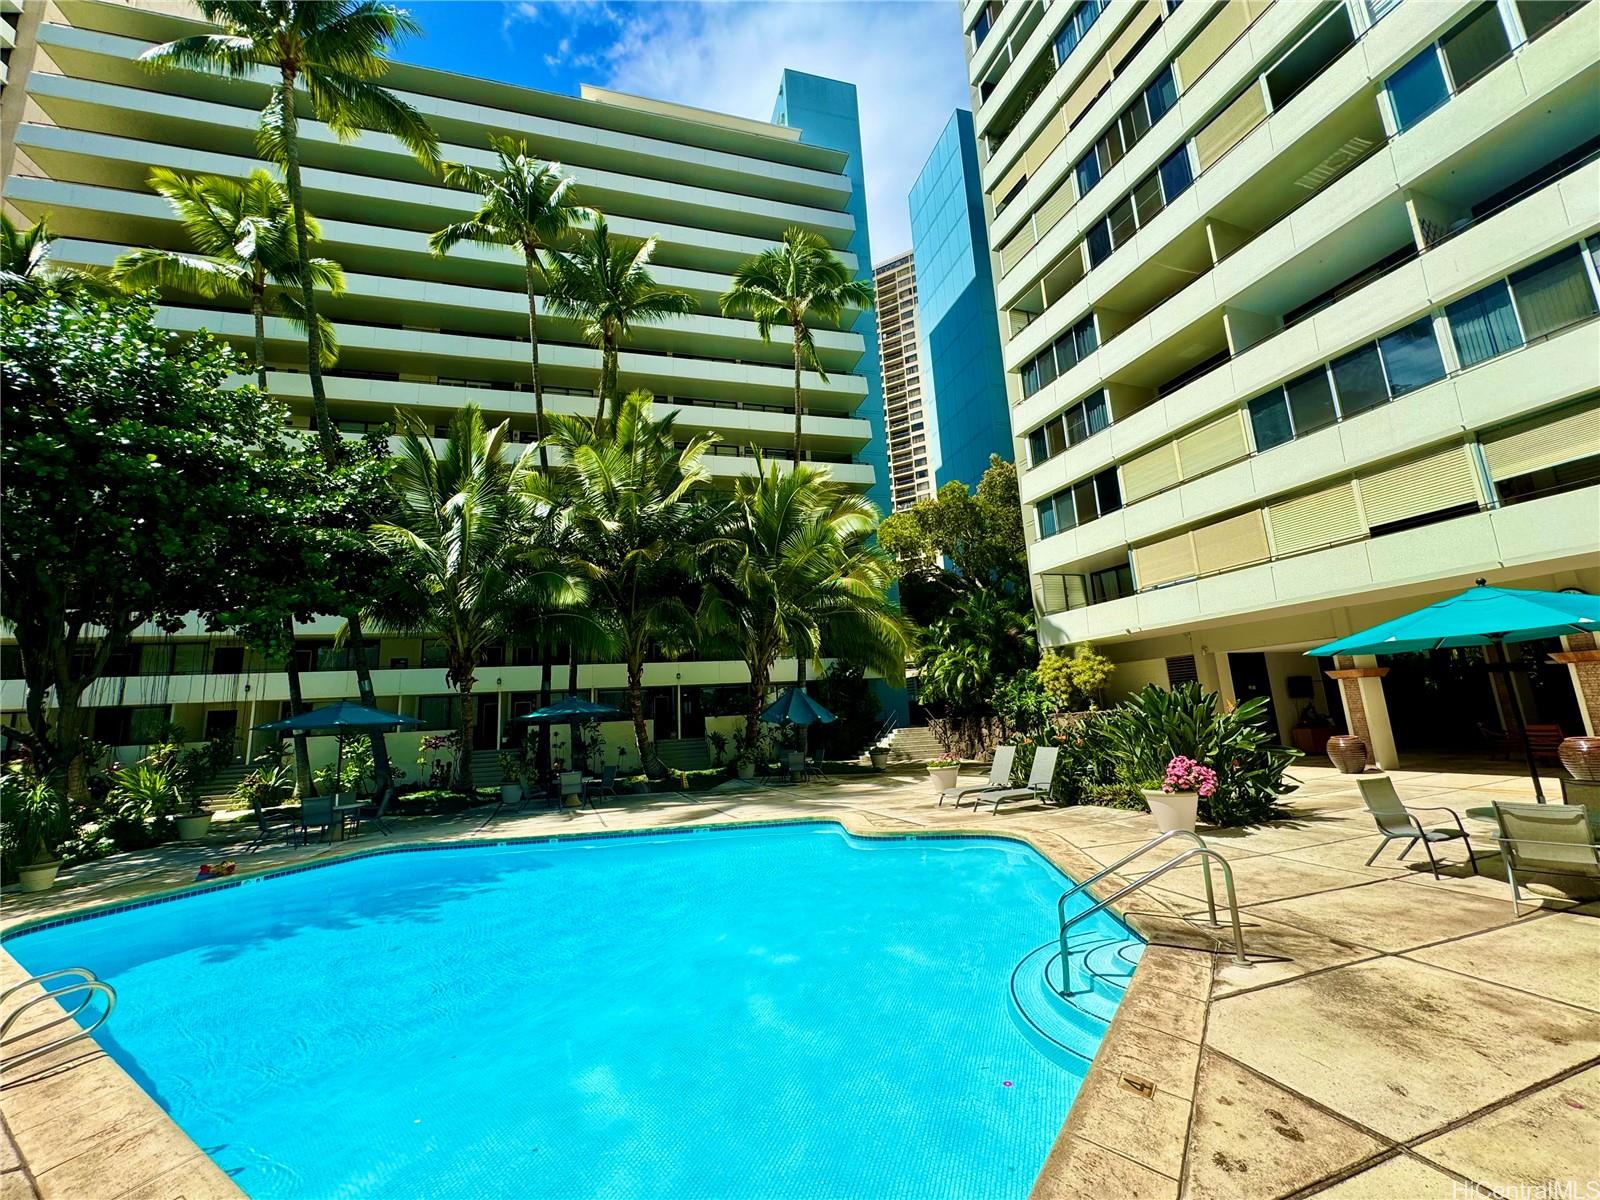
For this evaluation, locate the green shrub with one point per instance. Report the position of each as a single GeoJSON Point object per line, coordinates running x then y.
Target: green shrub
{"type": "Point", "coordinates": [1024, 705]}
{"type": "Point", "coordinates": [1149, 729]}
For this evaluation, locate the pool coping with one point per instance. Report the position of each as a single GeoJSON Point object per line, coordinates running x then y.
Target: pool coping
{"type": "Point", "coordinates": [52, 1146]}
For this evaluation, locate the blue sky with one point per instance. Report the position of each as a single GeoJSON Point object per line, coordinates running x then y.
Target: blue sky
{"type": "Point", "coordinates": [904, 56]}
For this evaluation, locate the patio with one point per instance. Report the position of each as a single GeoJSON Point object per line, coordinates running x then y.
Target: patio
{"type": "Point", "coordinates": [1394, 1034]}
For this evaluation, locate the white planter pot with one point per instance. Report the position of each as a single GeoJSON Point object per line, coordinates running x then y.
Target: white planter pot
{"type": "Point", "coordinates": [880, 759]}
{"type": "Point", "coordinates": [193, 827]}
{"type": "Point", "coordinates": [944, 778]}
{"type": "Point", "coordinates": [39, 876]}
{"type": "Point", "coordinates": [510, 793]}
{"type": "Point", "coordinates": [747, 770]}
{"type": "Point", "coordinates": [1173, 810]}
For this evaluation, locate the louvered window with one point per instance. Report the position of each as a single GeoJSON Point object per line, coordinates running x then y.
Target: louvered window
{"type": "Point", "coordinates": [1236, 542]}
{"type": "Point", "coordinates": [1181, 670]}
{"type": "Point", "coordinates": [1228, 128]}
{"type": "Point", "coordinates": [1321, 519]}
{"type": "Point", "coordinates": [1150, 472]}
{"type": "Point", "coordinates": [1212, 446]}
{"type": "Point", "coordinates": [1554, 439]}
{"type": "Point", "coordinates": [1165, 561]}
{"type": "Point", "coordinates": [1441, 481]}
{"type": "Point", "coordinates": [1226, 24]}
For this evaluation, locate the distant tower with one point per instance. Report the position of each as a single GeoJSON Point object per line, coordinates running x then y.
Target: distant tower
{"type": "Point", "coordinates": [899, 353]}
{"type": "Point", "coordinates": [964, 383]}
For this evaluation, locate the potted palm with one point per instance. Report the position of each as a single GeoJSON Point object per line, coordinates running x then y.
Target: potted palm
{"type": "Point", "coordinates": [513, 770]}
{"type": "Point", "coordinates": [1174, 800]}
{"type": "Point", "coordinates": [39, 813]}
{"type": "Point", "coordinates": [944, 770]}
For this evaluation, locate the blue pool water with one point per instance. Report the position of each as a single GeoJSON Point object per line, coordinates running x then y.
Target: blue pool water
{"type": "Point", "coordinates": [770, 1012]}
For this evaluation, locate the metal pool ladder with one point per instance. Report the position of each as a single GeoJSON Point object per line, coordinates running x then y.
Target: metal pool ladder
{"type": "Point", "coordinates": [85, 983]}
{"type": "Point", "coordinates": [1200, 850]}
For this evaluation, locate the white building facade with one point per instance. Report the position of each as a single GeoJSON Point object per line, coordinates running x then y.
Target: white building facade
{"type": "Point", "coordinates": [1299, 303]}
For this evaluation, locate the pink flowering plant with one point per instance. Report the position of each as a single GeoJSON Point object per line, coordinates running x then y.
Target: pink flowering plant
{"type": "Point", "coordinates": [1184, 774]}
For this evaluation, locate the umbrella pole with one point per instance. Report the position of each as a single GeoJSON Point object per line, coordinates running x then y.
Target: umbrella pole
{"type": "Point", "coordinates": [1521, 722]}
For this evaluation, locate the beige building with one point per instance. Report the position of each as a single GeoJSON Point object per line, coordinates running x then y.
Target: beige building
{"type": "Point", "coordinates": [1299, 303]}
{"type": "Point", "coordinates": [84, 123]}
{"type": "Point", "coordinates": [905, 417]}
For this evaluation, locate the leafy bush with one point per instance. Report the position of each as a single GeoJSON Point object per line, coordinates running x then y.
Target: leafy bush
{"type": "Point", "coordinates": [1023, 704]}
{"type": "Point", "coordinates": [35, 817]}
{"type": "Point", "coordinates": [1075, 681]}
{"type": "Point", "coordinates": [1144, 733]}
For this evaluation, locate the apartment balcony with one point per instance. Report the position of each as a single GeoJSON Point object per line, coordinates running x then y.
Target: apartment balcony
{"type": "Point", "coordinates": [375, 400]}
{"type": "Point", "coordinates": [1521, 383]}
{"type": "Point", "coordinates": [610, 160]}
{"type": "Point", "coordinates": [124, 164]}
{"type": "Point", "coordinates": [103, 214]}
{"type": "Point", "coordinates": [1271, 272]}
{"type": "Point", "coordinates": [1555, 533]}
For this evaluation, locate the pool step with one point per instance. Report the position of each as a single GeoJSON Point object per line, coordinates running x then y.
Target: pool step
{"type": "Point", "coordinates": [1068, 1028]}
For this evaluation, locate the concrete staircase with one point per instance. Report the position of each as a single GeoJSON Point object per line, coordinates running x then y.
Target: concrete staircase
{"type": "Point", "coordinates": [220, 789]}
{"type": "Point", "coordinates": [913, 744]}
{"type": "Point", "coordinates": [684, 754]}
{"type": "Point", "coordinates": [486, 770]}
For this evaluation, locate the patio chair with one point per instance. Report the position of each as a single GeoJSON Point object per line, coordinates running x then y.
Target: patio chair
{"type": "Point", "coordinates": [570, 783]}
{"type": "Point", "coordinates": [1005, 758]}
{"type": "Point", "coordinates": [316, 812]}
{"type": "Point", "coordinates": [1396, 822]}
{"type": "Point", "coordinates": [379, 809]}
{"type": "Point", "coordinates": [1545, 839]}
{"type": "Point", "coordinates": [606, 785]}
{"type": "Point", "coordinates": [268, 830]}
{"type": "Point", "coordinates": [1040, 777]}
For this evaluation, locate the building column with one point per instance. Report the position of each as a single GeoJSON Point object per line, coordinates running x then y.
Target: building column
{"type": "Point", "coordinates": [1582, 657]}
{"type": "Point", "coordinates": [1366, 710]}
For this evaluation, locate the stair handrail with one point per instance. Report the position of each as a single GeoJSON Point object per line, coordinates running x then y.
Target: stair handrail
{"type": "Point", "coordinates": [1202, 852]}
{"type": "Point", "coordinates": [1211, 903]}
{"type": "Point", "coordinates": [88, 984]}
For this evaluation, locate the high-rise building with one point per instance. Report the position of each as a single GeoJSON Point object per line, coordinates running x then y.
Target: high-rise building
{"type": "Point", "coordinates": [1298, 305]}
{"type": "Point", "coordinates": [904, 419]}
{"type": "Point", "coordinates": [964, 375]}
{"type": "Point", "coordinates": [84, 123]}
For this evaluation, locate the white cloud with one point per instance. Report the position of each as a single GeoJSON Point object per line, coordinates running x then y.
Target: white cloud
{"type": "Point", "coordinates": [904, 58]}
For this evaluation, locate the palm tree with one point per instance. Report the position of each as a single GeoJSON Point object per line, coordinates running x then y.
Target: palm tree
{"type": "Point", "coordinates": [794, 284]}
{"type": "Point", "coordinates": [529, 205]}
{"type": "Point", "coordinates": [627, 494]}
{"type": "Point", "coordinates": [466, 567]}
{"type": "Point", "coordinates": [800, 571]}
{"type": "Point", "coordinates": [244, 237]}
{"type": "Point", "coordinates": [605, 282]}
{"type": "Point", "coordinates": [26, 269]}
{"type": "Point", "coordinates": [335, 49]}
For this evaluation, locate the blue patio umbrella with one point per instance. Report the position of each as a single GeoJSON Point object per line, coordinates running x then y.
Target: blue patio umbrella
{"type": "Point", "coordinates": [568, 710]}
{"type": "Point", "coordinates": [794, 707]}
{"type": "Point", "coordinates": [338, 717]}
{"type": "Point", "coordinates": [1480, 616]}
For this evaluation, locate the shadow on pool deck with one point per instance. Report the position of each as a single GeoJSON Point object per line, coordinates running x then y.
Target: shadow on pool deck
{"type": "Point", "coordinates": [1394, 1035]}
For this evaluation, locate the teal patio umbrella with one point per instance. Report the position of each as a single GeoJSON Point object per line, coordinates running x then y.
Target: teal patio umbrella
{"type": "Point", "coordinates": [338, 717]}
{"type": "Point", "coordinates": [1480, 616]}
{"type": "Point", "coordinates": [794, 707]}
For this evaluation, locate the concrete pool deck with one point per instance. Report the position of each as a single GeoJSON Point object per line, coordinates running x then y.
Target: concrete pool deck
{"type": "Point", "coordinates": [1393, 1036]}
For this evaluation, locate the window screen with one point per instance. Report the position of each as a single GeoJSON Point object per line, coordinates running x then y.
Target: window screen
{"type": "Point", "coordinates": [1553, 293]}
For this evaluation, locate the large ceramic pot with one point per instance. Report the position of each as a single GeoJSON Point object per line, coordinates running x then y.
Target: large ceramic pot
{"type": "Point", "coordinates": [944, 778]}
{"type": "Point", "coordinates": [746, 769]}
{"type": "Point", "coordinates": [1173, 810]}
{"type": "Point", "coordinates": [880, 758]}
{"type": "Point", "coordinates": [1581, 757]}
{"type": "Point", "coordinates": [1348, 753]}
{"type": "Point", "coordinates": [37, 877]}
{"type": "Point", "coordinates": [192, 826]}
{"type": "Point", "coordinates": [510, 793]}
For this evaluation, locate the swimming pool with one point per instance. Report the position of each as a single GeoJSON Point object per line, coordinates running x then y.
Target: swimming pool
{"type": "Point", "coordinates": [787, 1011]}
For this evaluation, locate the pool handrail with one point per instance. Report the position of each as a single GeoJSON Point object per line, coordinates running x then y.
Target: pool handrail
{"type": "Point", "coordinates": [1211, 903]}
{"type": "Point", "coordinates": [87, 983]}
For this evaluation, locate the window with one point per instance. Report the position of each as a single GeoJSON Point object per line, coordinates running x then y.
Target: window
{"type": "Point", "coordinates": [1540, 15]}
{"type": "Point", "coordinates": [1269, 418]}
{"type": "Point", "coordinates": [1417, 88]}
{"type": "Point", "coordinates": [1147, 198]}
{"type": "Point", "coordinates": [981, 29]}
{"type": "Point", "coordinates": [1358, 377]}
{"type": "Point", "coordinates": [1161, 95]}
{"type": "Point", "coordinates": [1088, 171]}
{"type": "Point", "coordinates": [1112, 583]}
{"type": "Point", "coordinates": [1484, 324]}
{"type": "Point", "coordinates": [1123, 225]}
{"type": "Point", "coordinates": [1411, 357]}
{"type": "Point", "coordinates": [1083, 333]}
{"type": "Point", "coordinates": [1053, 361]}
{"type": "Point", "coordinates": [1175, 174]}
{"type": "Point", "coordinates": [1182, 669]}
{"type": "Point", "coordinates": [1549, 481]}
{"type": "Point", "coordinates": [1476, 46]}
{"type": "Point", "coordinates": [228, 660]}
{"type": "Point", "coordinates": [1108, 495]}
{"type": "Point", "coordinates": [1553, 294]}
{"type": "Point", "coordinates": [1072, 32]}
{"type": "Point", "coordinates": [1310, 57]}
{"type": "Point", "coordinates": [433, 653]}
{"type": "Point", "coordinates": [1083, 420]}
{"type": "Point", "coordinates": [1099, 241]}
{"type": "Point", "coordinates": [1311, 401]}
{"type": "Point", "coordinates": [436, 712]}
{"type": "Point", "coordinates": [1080, 503]}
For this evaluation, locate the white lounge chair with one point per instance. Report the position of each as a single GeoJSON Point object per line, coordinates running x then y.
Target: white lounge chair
{"type": "Point", "coordinates": [1545, 839]}
{"type": "Point", "coordinates": [1040, 778]}
{"type": "Point", "coordinates": [1005, 758]}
